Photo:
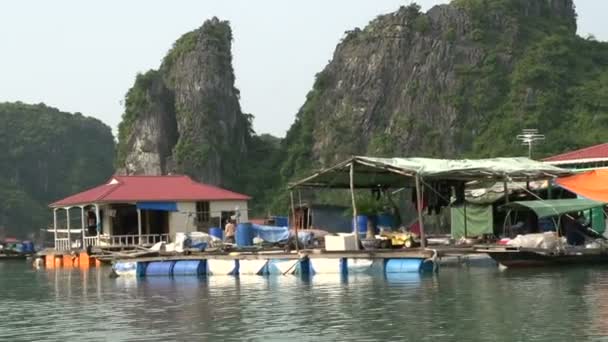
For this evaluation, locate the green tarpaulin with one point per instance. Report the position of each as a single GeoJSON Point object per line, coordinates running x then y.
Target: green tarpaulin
{"type": "Point", "coordinates": [549, 208]}
{"type": "Point", "coordinates": [597, 219]}
{"type": "Point", "coordinates": [479, 220]}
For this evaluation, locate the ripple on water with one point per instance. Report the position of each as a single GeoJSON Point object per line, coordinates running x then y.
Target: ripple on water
{"type": "Point", "coordinates": [456, 305]}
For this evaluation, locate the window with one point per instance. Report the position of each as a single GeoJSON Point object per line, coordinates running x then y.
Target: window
{"type": "Point", "coordinates": [202, 212]}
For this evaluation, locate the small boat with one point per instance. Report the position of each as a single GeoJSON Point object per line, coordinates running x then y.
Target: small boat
{"type": "Point", "coordinates": [529, 257]}
{"type": "Point", "coordinates": [13, 256]}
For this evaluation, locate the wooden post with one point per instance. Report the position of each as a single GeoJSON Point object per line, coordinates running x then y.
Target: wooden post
{"type": "Point", "coordinates": [139, 226]}
{"type": "Point", "coordinates": [464, 206]}
{"type": "Point", "coordinates": [419, 209]}
{"type": "Point", "coordinates": [352, 195]}
{"type": "Point", "coordinates": [295, 224]}
{"type": "Point", "coordinates": [300, 204]}
{"type": "Point", "coordinates": [148, 222]}
{"type": "Point", "coordinates": [67, 215]}
{"type": "Point", "coordinates": [506, 189]}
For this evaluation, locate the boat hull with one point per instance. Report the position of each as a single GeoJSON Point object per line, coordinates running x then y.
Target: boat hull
{"type": "Point", "coordinates": [533, 259]}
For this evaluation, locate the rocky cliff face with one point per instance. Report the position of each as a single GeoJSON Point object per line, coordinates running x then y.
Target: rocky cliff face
{"type": "Point", "coordinates": [185, 117]}
{"type": "Point", "coordinates": [426, 84]}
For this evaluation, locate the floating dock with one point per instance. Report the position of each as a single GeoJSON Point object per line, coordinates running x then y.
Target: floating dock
{"type": "Point", "coordinates": [77, 259]}
{"type": "Point", "coordinates": [307, 262]}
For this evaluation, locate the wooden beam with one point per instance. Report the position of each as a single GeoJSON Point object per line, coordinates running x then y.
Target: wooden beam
{"type": "Point", "coordinates": [295, 224]}
{"type": "Point", "coordinates": [419, 209]}
{"type": "Point", "coordinates": [352, 195]}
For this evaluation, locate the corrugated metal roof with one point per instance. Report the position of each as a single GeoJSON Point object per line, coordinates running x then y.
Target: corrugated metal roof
{"type": "Point", "coordinates": [150, 188]}
{"type": "Point", "coordinates": [584, 155]}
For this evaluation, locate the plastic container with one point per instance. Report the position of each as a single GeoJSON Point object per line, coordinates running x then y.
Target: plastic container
{"type": "Point", "coordinates": [403, 265]}
{"type": "Point", "coordinates": [362, 224]}
{"type": "Point", "coordinates": [244, 234]}
{"type": "Point", "coordinates": [216, 232]}
{"type": "Point", "coordinates": [189, 267]}
{"type": "Point", "coordinates": [386, 221]}
{"type": "Point", "coordinates": [28, 247]}
{"type": "Point", "coordinates": [281, 221]}
{"type": "Point", "coordinates": [160, 268]}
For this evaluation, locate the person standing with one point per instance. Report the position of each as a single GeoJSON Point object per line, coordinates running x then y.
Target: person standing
{"type": "Point", "coordinates": [229, 231]}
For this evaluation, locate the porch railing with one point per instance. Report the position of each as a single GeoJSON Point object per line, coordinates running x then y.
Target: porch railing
{"type": "Point", "coordinates": [62, 244]}
{"type": "Point", "coordinates": [133, 240]}
{"type": "Point", "coordinates": [91, 241]}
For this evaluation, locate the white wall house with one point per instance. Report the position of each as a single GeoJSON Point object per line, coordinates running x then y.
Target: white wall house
{"type": "Point", "coordinates": [142, 210]}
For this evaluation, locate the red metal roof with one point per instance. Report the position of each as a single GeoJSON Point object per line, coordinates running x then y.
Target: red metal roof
{"type": "Point", "coordinates": [151, 189]}
{"type": "Point", "coordinates": [589, 154]}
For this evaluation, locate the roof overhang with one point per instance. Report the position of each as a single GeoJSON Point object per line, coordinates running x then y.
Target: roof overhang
{"type": "Point", "coordinates": [576, 161]}
{"type": "Point", "coordinates": [401, 172]}
{"type": "Point", "coordinates": [548, 208]}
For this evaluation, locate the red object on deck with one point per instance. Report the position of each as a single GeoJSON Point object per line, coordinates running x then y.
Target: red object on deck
{"type": "Point", "coordinates": [415, 228]}
{"type": "Point", "coordinates": [503, 241]}
{"type": "Point", "coordinates": [151, 188]}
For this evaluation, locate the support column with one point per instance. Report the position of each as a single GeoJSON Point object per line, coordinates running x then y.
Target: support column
{"type": "Point", "coordinates": [352, 195]}
{"type": "Point", "coordinates": [419, 209]}
{"type": "Point", "coordinates": [83, 223]}
{"type": "Point", "coordinates": [506, 189]}
{"type": "Point", "coordinates": [295, 224]}
{"type": "Point", "coordinates": [97, 220]}
{"type": "Point", "coordinates": [55, 227]}
{"type": "Point", "coordinates": [67, 215]}
{"type": "Point", "coordinates": [139, 226]}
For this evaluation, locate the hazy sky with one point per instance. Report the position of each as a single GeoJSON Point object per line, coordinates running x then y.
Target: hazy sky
{"type": "Point", "coordinates": [83, 56]}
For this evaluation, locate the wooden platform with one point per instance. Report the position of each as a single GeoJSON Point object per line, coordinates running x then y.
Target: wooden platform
{"type": "Point", "coordinates": [311, 253]}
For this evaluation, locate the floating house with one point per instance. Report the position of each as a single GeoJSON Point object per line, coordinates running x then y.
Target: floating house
{"type": "Point", "coordinates": [141, 211]}
{"type": "Point", "coordinates": [588, 158]}
{"type": "Point", "coordinates": [427, 177]}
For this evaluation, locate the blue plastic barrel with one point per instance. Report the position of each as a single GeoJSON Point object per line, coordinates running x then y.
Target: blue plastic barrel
{"type": "Point", "coordinates": [362, 224]}
{"type": "Point", "coordinates": [403, 265]}
{"type": "Point", "coordinates": [216, 232]}
{"type": "Point", "coordinates": [28, 247]}
{"type": "Point", "coordinates": [244, 234]}
{"type": "Point", "coordinates": [160, 268]}
{"type": "Point", "coordinates": [281, 221]}
{"type": "Point", "coordinates": [386, 221]}
{"type": "Point", "coordinates": [189, 267]}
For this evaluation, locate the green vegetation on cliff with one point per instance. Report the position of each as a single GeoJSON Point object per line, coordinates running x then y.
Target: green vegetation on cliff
{"type": "Point", "coordinates": [461, 80]}
{"type": "Point", "coordinates": [47, 154]}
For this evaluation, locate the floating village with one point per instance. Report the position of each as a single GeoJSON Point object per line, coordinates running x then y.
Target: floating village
{"type": "Point", "coordinates": [516, 211]}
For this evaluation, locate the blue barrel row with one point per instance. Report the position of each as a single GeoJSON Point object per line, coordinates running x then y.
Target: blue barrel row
{"type": "Point", "coordinates": [302, 267]}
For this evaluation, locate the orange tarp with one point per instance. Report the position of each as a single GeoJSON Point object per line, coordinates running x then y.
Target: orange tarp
{"type": "Point", "coordinates": [591, 184]}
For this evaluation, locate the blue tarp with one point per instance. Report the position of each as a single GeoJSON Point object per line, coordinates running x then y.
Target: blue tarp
{"type": "Point", "coordinates": [270, 233]}
{"type": "Point", "coordinates": [162, 206]}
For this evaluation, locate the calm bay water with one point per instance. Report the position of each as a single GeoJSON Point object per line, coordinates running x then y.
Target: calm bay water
{"type": "Point", "coordinates": [458, 304]}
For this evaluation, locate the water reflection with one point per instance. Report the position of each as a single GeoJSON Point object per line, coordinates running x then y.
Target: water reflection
{"type": "Point", "coordinates": [472, 304]}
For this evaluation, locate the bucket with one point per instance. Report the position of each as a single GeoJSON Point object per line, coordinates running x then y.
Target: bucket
{"type": "Point", "coordinates": [216, 232]}
{"type": "Point", "coordinates": [244, 234]}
